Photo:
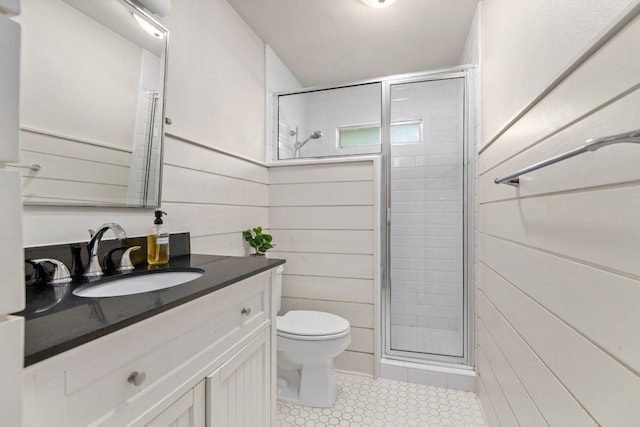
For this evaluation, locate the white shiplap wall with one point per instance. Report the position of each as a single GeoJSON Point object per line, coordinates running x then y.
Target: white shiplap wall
{"type": "Point", "coordinates": [322, 218]}
{"type": "Point", "coordinates": [213, 195]}
{"type": "Point", "coordinates": [559, 271]}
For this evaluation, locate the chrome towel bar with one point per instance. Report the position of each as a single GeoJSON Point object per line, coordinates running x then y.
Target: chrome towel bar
{"type": "Point", "coordinates": [34, 167]}
{"type": "Point", "coordinates": [592, 144]}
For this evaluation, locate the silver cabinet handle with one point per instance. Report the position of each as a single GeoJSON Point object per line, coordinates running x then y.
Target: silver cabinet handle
{"type": "Point", "coordinates": [246, 311]}
{"type": "Point", "coordinates": [137, 378]}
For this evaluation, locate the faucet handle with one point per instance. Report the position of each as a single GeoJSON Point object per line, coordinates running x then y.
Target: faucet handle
{"type": "Point", "coordinates": [61, 273]}
{"type": "Point", "coordinates": [125, 260]}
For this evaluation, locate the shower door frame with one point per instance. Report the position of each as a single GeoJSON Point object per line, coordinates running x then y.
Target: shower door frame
{"type": "Point", "coordinates": [467, 359]}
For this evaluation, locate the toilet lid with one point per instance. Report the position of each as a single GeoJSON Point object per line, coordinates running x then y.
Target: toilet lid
{"type": "Point", "coordinates": [312, 323]}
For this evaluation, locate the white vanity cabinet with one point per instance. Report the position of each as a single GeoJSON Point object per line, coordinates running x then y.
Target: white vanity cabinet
{"type": "Point", "coordinates": [187, 411]}
{"type": "Point", "coordinates": [235, 390]}
{"type": "Point", "coordinates": [208, 362]}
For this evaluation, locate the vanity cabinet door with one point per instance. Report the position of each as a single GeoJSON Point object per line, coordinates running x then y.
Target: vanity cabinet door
{"type": "Point", "coordinates": [187, 411]}
{"type": "Point", "coordinates": [239, 392]}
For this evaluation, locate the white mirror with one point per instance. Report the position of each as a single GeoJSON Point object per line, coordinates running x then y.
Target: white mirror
{"type": "Point", "coordinates": [91, 103]}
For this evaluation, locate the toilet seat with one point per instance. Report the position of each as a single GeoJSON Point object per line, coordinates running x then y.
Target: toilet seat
{"type": "Point", "coordinates": [308, 325]}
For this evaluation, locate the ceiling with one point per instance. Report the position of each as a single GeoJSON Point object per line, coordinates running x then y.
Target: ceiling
{"type": "Point", "coordinates": [324, 42]}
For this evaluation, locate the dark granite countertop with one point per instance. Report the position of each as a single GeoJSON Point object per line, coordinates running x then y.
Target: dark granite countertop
{"type": "Point", "coordinates": [56, 320]}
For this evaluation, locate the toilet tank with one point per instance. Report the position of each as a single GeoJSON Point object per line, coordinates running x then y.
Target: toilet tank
{"type": "Point", "coordinates": [278, 289]}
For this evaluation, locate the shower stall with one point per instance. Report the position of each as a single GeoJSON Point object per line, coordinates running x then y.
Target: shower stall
{"type": "Point", "coordinates": [421, 127]}
{"type": "Point", "coordinates": [426, 288]}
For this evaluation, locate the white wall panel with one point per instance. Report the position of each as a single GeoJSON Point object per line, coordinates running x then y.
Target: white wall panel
{"type": "Point", "coordinates": [598, 227]}
{"type": "Point", "coordinates": [278, 79]}
{"type": "Point", "coordinates": [332, 265]}
{"type": "Point", "coordinates": [9, 78]}
{"type": "Point", "coordinates": [203, 220]}
{"type": "Point", "coordinates": [215, 93]}
{"type": "Point", "coordinates": [322, 194]}
{"type": "Point", "coordinates": [61, 168]}
{"type": "Point", "coordinates": [328, 288]}
{"type": "Point", "coordinates": [487, 407]}
{"type": "Point", "coordinates": [324, 241]}
{"type": "Point", "coordinates": [524, 408]}
{"type": "Point", "coordinates": [358, 315]}
{"type": "Point", "coordinates": [72, 192]}
{"type": "Point", "coordinates": [574, 292]}
{"type": "Point", "coordinates": [329, 172]}
{"type": "Point", "coordinates": [39, 141]}
{"type": "Point", "coordinates": [576, 362]}
{"type": "Point", "coordinates": [607, 166]}
{"type": "Point", "coordinates": [551, 397]}
{"type": "Point", "coordinates": [231, 244]}
{"type": "Point", "coordinates": [11, 254]}
{"type": "Point", "coordinates": [570, 101]}
{"type": "Point", "coordinates": [187, 185]}
{"type": "Point", "coordinates": [180, 152]}
{"type": "Point", "coordinates": [322, 217]}
{"type": "Point", "coordinates": [361, 340]}
{"type": "Point", "coordinates": [329, 246]}
{"type": "Point", "coordinates": [528, 45]}
{"type": "Point", "coordinates": [504, 412]}
{"type": "Point", "coordinates": [559, 272]}
{"type": "Point", "coordinates": [354, 361]}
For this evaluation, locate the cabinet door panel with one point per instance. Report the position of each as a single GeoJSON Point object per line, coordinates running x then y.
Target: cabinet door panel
{"type": "Point", "coordinates": [238, 393]}
{"type": "Point", "coordinates": [187, 411]}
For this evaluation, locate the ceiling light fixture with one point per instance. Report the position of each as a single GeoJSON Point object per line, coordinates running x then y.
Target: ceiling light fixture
{"type": "Point", "coordinates": [378, 3]}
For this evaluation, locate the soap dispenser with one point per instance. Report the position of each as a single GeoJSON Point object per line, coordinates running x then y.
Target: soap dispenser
{"type": "Point", "coordinates": [158, 242]}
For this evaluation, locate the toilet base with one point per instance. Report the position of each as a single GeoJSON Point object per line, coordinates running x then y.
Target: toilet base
{"type": "Point", "coordinates": [288, 386]}
{"type": "Point", "coordinates": [311, 385]}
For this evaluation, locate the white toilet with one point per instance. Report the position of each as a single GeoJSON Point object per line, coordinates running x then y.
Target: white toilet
{"type": "Point", "coordinates": [307, 342]}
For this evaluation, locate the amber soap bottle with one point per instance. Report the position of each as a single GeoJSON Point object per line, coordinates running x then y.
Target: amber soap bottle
{"type": "Point", "coordinates": [158, 242]}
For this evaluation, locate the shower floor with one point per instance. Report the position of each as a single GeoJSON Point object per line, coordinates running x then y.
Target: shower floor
{"type": "Point", "coordinates": [426, 340]}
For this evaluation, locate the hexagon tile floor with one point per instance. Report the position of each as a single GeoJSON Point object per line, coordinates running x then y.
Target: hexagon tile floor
{"type": "Point", "coordinates": [368, 402]}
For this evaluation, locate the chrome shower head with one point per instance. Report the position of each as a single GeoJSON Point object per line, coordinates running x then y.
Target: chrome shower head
{"type": "Point", "coordinates": [298, 145]}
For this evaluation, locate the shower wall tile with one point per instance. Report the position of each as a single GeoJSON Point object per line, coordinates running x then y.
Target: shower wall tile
{"type": "Point", "coordinates": [327, 110]}
{"type": "Point", "coordinates": [426, 191]}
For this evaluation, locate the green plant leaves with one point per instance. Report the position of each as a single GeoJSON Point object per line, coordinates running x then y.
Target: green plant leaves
{"type": "Point", "coordinates": [257, 240]}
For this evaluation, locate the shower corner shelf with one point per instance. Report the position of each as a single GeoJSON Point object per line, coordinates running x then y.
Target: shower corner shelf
{"type": "Point", "coordinates": [592, 144]}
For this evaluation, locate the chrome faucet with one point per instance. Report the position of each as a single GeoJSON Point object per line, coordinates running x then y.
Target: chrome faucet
{"type": "Point", "coordinates": [94, 268]}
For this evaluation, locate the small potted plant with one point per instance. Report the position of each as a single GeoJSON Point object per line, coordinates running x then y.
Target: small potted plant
{"type": "Point", "coordinates": [258, 240]}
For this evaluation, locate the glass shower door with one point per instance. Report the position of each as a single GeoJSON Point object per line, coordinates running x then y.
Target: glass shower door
{"type": "Point", "coordinates": [426, 244]}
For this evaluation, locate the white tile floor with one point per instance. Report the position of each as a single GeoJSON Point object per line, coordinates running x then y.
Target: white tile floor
{"type": "Point", "coordinates": [365, 402]}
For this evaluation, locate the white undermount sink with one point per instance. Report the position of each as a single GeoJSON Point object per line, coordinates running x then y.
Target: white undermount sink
{"type": "Point", "coordinates": [129, 285]}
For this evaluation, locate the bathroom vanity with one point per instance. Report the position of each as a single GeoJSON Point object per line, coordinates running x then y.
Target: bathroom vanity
{"type": "Point", "coordinates": [198, 354]}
